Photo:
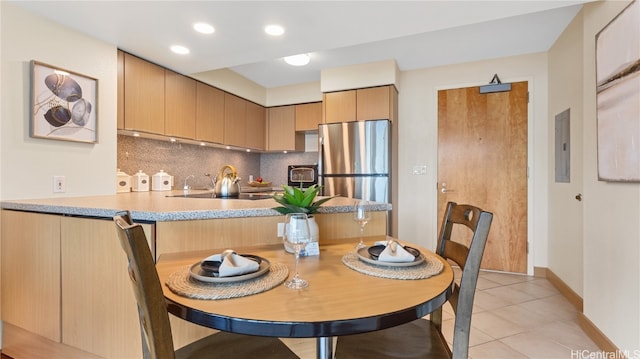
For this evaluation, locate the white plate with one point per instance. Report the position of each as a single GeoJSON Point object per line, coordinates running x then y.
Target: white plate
{"type": "Point", "coordinates": [363, 254]}
{"type": "Point", "coordinates": [196, 273]}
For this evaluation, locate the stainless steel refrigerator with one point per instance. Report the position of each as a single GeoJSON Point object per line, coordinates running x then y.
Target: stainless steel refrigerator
{"type": "Point", "coordinates": [355, 159]}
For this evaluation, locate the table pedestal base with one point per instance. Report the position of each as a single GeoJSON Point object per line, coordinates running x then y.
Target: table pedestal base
{"type": "Point", "coordinates": [324, 348]}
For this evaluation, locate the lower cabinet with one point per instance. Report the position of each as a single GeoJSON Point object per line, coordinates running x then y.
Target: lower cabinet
{"type": "Point", "coordinates": [65, 286]}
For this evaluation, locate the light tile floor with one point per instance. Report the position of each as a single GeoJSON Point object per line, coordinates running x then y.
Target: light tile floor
{"type": "Point", "coordinates": [515, 316]}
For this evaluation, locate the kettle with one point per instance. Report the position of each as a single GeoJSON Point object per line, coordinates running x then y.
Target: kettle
{"type": "Point", "coordinates": [226, 184]}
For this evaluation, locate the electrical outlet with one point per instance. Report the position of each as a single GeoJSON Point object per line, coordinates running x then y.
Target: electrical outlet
{"type": "Point", "coordinates": [59, 184]}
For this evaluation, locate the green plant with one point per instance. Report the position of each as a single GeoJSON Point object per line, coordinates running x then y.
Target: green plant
{"type": "Point", "coordinates": [294, 200]}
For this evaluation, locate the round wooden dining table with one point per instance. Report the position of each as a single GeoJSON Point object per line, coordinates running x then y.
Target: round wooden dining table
{"type": "Point", "coordinates": [338, 301]}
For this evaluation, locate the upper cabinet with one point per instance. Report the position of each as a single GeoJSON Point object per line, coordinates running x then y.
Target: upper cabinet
{"type": "Point", "coordinates": [209, 113]}
{"type": "Point", "coordinates": [120, 89]}
{"type": "Point", "coordinates": [281, 130]}
{"type": "Point", "coordinates": [376, 103]}
{"type": "Point", "coordinates": [339, 106]}
{"type": "Point", "coordinates": [308, 116]}
{"type": "Point", "coordinates": [235, 124]}
{"type": "Point", "coordinates": [179, 105]}
{"type": "Point", "coordinates": [256, 124]}
{"type": "Point", "coordinates": [372, 103]}
{"type": "Point", "coordinates": [143, 95]}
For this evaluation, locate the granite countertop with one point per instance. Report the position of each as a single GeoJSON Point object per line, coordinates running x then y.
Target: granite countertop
{"type": "Point", "coordinates": [156, 206]}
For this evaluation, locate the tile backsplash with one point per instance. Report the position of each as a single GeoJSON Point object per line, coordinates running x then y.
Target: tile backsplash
{"type": "Point", "coordinates": [181, 160]}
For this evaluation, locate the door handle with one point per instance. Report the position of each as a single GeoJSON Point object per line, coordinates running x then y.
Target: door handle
{"type": "Point", "coordinates": [444, 188]}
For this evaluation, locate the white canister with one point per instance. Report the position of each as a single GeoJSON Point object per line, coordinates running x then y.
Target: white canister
{"type": "Point", "coordinates": [123, 182]}
{"type": "Point", "coordinates": [140, 182]}
{"type": "Point", "coordinates": [161, 181]}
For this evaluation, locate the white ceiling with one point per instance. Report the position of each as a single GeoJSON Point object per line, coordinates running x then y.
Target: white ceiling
{"type": "Point", "coordinates": [417, 34]}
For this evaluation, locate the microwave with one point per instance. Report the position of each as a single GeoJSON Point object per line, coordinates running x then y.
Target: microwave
{"type": "Point", "coordinates": [303, 176]}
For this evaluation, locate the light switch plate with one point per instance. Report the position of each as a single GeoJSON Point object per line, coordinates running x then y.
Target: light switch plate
{"type": "Point", "coordinates": [420, 169]}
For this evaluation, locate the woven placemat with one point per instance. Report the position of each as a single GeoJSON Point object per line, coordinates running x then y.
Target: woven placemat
{"type": "Point", "coordinates": [181, 283]}
{"type": "Point", "coordinates": [430, 267]}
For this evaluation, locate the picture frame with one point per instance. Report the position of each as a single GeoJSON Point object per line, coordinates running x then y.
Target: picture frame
{"type": "Point", "coordinates": [63, 104]}
{"type": "Point", "coordinates": [618, 97]}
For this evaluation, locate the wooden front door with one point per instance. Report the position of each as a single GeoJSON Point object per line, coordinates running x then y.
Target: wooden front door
{"type": "Point", "coordinates": [482, 160]}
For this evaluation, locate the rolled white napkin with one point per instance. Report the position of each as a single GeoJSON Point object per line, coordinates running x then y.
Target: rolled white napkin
{"type": "Point", "coordinates": [394, 252]}
{"type": "Point", "coordinates": [233, 264]}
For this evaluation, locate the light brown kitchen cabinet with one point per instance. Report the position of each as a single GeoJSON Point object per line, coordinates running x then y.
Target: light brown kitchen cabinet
{"type": "Point", "coordinates": [31, 273]}
{"type": "Point", "coordinates": [308, 116]}
{"type": "Point", "coordinates": [376, 103]}
{"type": "Point", "coordinates": [235, 124]}
{"type": "Point", "coordinates": [281, 132]}
{"type": "Point", "coordinates": [120, 92]}
{"type": "Point", "coordinates": [209, 113]}
{"type": "Point", "coordinates": [73, 288]}
{"type": "Point", "coordinates": [179, 105]}
{"type": "Point", "coordinates": [339, 106]}
{"type": "Point", "coordinates": [372, 103]}
{"type": "Point", "coordinates": [256, 126]}
{"type": "Point", "coordinates": [143, 95]}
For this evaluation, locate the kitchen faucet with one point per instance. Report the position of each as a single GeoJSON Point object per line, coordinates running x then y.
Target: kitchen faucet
{"type": "Point", "coordinates": [213, 180]}
{"type": "Point", "coordinates": [186, 186]}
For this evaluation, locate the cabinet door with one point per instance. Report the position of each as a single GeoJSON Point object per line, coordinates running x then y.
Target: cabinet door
{"type": "Point", "coordinates": [282, 134]}
{"type": "Point", "coordinates": [256, 126]}
{"type": "Point", "coordinates": [209, 113]}
{"type": "Point", "coordinates": [120, 89]}
{"type": "Point", "coordinates": [235, 127]}
{"type": "Point", "coordinates": [373, 103]}
{"type": "Point", "coordinates": [179, 106]}
{"type": "Point", "coordinates": [31, 272]}
{"type": "Point", "coordinates": [143, 95]}
{"type": "Point", "coordinates": [308, 116]}
{"type": "Point", "coordinates": [339, 106]}
{"type": "Point", "coordinates": [99, 311]}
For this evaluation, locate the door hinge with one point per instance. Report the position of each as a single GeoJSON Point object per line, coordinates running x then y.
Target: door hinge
{"type": "Point", "coordinates": [527, 247]}
{"type": "Point", "coordinates": [528, 98]}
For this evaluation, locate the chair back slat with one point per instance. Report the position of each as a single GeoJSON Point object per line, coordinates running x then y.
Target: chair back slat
{"type": "Point", "coordinates": [157, 341]}
{"type": "Point", "coordinates": [469, 259]}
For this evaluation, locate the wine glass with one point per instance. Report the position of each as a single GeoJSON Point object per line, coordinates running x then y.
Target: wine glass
{"type": "Point", "coordinates": [362, 216]}
{"type": "Point", "coordinates": [298, 235]}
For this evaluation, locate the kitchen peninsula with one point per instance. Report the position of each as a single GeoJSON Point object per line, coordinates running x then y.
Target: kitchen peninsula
{"type": "Point", "coordinates": [65, 286]}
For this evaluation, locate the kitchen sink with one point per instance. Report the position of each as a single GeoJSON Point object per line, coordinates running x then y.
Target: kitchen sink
{"type": "Point", "coordinates": [245, 196]}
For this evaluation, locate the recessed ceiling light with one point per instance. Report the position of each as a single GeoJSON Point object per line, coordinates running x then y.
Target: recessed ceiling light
{"type": "Point", "coordinates": [181, 50]}
{"type": "Point", "coordinates": [203, 28]}
{"type": "Point", "coordinates": [274, 30]}
{"type": "Point", "coordinates": [297, 60]}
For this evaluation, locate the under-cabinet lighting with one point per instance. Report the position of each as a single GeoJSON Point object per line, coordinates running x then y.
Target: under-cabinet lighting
{"type": "Point", "coordinates": [202, 144]}
{"type": "Point", "coordinates": [285, 151]}
{"type": "Point", "coordinates": [172, 139]}
{"type": "Point", "coordinates": [248, 150]}
{"type": "Point", "coordinates": [135, 134]}
{"type": "Point", "coordinates": [228, 147]}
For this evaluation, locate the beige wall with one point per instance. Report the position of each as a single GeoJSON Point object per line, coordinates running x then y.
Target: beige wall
{"type": "Point", "coordinates": [27, 164]}
{"type": "Point", "coordinates": [594, 245]}
{"type": "Point", "coordinates": [565, 212]}
{"type": "Point", "coordinates": [418, 128]}
{"type": "Point", "coordinates": [611, 216]}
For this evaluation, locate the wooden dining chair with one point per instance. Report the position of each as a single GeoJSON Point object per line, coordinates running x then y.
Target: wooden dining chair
{"type": "Point", "coordinates": [157, 340]}
{"type": "Point", "coordinates": [423, 338]}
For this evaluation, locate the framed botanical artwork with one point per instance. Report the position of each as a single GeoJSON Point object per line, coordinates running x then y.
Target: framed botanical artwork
{"type": "Point", "coordinates": [618, 97]}
{"type": "Point", "coordinates": [63, 104]}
